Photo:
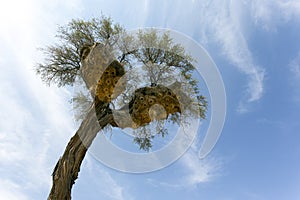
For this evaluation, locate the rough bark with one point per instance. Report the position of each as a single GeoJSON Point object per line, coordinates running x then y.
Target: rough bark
{"type": "Point", "coordinates": [68, 166]}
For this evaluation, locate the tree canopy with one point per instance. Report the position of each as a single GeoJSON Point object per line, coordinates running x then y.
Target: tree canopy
{"type": "Point", "coordinates": [155, 55]}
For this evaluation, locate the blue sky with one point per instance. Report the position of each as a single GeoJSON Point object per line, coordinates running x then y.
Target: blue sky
{"type": "Point", "coordinates": [255, 45]}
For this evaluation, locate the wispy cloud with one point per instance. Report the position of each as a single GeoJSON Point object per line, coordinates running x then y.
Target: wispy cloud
{"type": "Point", "coordinates": [225, 21]}
{"type": "Point", "coordinates": [265, 12]}
{"type": "Point", "coordinates": [193, 172]}
{"type": "Point", "coordinates": [10, 190]}
{"type": "Point", "coordinates": [200, 171]}
{"type": "Point", "coordinates": [96, 176]}
{"type": "Point", "coordinates": [224, 24]}
{"type": "Point", "coordinates": [235, 48]}
{"type": "Point", "coordinates": [36, 121]}
{"type": "Point", "coordinates": [34, 128]}
{"type": "Point", "coordinates": [295, 66]}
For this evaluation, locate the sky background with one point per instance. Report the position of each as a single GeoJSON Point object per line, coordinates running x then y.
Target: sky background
{"type": "Point", "coordinates": [255, 45]}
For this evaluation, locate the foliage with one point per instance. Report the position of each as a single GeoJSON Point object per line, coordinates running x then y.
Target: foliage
{"type": "Point", "coordinates": [161, 60]}
{"type": "Point", "coordinates": [62, 62]}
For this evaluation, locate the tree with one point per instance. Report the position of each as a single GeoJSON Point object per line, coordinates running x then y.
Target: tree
{"type": "Point", "coordinates": [101, 52]}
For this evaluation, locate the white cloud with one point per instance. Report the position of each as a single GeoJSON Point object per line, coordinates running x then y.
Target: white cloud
{"type": "Point", "coordinates": [10, 190]}
{"type": "Point", "coordinates": [193, 171]}
{"type": "Point", "coordinates": [290, 8]}
{"type": "Point", "coordinates": [34, 128]}
{"type": "Point", "coordinates": [200, 171]}
{"type": "Point", "coordinates": [110, 187]}
{"type": "Point", "coordinates": [226, 28]}
{"type": "Point", "coordinates": [235, 48]}
{"type": "Point", "coordinates": [97, 181]}
{"type": "Point", "coordinates": [295, 66]}
{"type": "Point", "coordinates": [294, 80]}
{"type": "Point", "coordinates": [36, 121]}
{"type": "Point", "coordinates": [270, 13]}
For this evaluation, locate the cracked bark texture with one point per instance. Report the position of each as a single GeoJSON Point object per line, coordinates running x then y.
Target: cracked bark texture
{"type": "Point", "coordinates": [68, 166]}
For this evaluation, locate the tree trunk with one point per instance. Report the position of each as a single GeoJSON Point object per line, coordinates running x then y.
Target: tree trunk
{"type": "Point", "coordinates": [68, 166]}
